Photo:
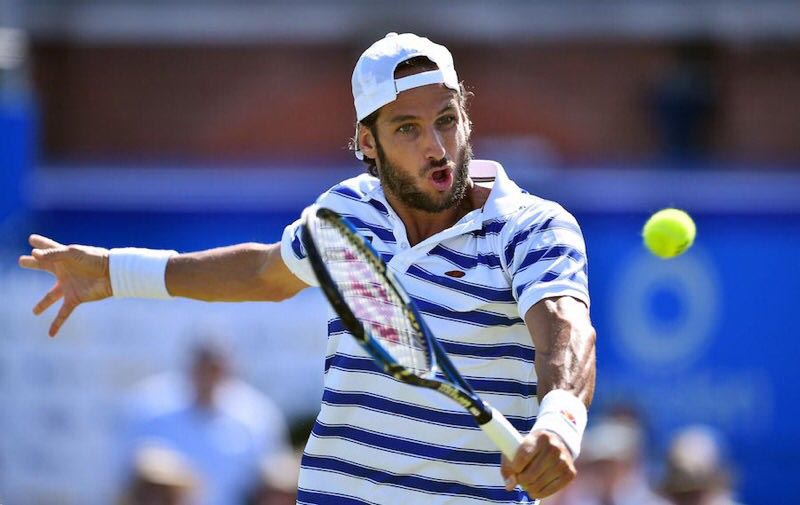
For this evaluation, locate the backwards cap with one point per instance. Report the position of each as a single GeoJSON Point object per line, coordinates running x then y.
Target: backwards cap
{"type": "Point", "coordinates": [374, 84]}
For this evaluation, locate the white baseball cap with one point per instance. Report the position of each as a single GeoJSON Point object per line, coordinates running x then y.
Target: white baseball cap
{"type": "Point", "coordinates": [374, 84]}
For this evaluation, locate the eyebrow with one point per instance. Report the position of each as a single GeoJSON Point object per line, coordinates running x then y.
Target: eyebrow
{"type": "Point", "coordinates": [408, 117]}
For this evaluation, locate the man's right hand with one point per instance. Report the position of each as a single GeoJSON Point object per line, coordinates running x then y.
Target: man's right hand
{"type": "Point", "coordinates": [81, 275]}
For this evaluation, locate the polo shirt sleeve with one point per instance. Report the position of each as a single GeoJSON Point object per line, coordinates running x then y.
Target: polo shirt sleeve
{"type": "Point", "coordinates": [292, 251]}
{"type": "Point", "coordinates": [294, 254]}
{"type": "Point", "coordinates": [545, 255]}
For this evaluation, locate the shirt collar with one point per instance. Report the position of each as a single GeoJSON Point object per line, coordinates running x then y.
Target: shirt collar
{"type": "Point", "coordinates": [504, 196]}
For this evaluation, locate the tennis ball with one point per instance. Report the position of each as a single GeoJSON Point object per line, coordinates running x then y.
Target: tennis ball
{"type": "Point", "coordinates": [669, 232]}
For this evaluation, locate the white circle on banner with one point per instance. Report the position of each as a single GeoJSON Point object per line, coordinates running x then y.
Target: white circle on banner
{"type": "Point", "coordinates": [648, 341]}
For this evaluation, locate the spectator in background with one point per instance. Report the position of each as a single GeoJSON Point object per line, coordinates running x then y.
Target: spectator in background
{"type": "Point", "coordinates": [611, 469]}
{"type": "Point", "coordinates": [160, 476]}
{"type": "Point", "coordinates": [684, 101]}
{"type": "Point", "coordinates": [222, 426]}
{"type": "Point", "coordinates": [278, 482]}
{"type": "Point", "coordinates": [696, 472]}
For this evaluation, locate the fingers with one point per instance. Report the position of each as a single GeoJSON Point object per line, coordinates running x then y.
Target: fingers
{"type": "Point", "coordinates": [542, 465]}
{"type": "Point", "coordinates": [49, 299]}
{"type": "Point", "coordinates": [555, 485]}
{"type": "Point", "coordinates": [525, 454]}
{"type": "Point", "coordinates": [553, 474]}
{"type": "Point", "coordinates": [42, 242]}
{"type": "Point", "coordinates": [39, 259]}
{"type": "Point", "coordinates": [44, 250]}
{"type": "Point", "coordinates": [550, 470]}
{"type": "Point", "coordinates": [47, 256]}
{"type": "Point", "coordinates": [510, 469]}
{"type": "Point", "coordinates": [542, 462]}
{"type": "Point", "coordinates": [63, 314]}
{"type": "Point", "coordinates": [30, 262]}
{"type": "Point", "coordinates": [549, 487]}
{"type": "Point", "coordinates": [508, 476]}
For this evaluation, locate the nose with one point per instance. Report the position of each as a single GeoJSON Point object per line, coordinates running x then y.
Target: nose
{"type": "Point", "coordinates": [434, 145]}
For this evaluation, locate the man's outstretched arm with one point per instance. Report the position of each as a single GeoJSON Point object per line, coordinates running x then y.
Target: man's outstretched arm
{"type": "Point", "coordinates": [245, 272]}
{"type": "Point", "coordinates": [239, 273]}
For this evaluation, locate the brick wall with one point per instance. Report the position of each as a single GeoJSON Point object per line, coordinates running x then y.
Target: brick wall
{"type": "Point", "coordinates": [588, 100]}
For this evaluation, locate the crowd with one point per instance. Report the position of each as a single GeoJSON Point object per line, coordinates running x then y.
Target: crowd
{"type": "Point", "coordinates": [205, 437]}
{"type": "Point", "coordinates": [613, 467]}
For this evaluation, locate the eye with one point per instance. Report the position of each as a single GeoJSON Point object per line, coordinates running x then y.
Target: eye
{"type": "Point", "coordinates": [447, 120]}
{"type": "Point", "coordinates": [406, 128]}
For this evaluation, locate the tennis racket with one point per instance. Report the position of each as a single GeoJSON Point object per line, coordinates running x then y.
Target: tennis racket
{"type": "Point", "coordinates": [378, 312]}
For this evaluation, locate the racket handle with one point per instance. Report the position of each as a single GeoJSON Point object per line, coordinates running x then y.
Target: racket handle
{"type": "Point", "coordinates": [500, 431]}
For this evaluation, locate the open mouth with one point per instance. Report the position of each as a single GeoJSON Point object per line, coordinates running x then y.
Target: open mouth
{"type": "Point", "coordinates": [442, 178]}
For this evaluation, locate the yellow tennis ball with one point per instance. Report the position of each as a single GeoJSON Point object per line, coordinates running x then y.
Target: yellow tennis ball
{"type": "Point", "coordinates": [669, 232]}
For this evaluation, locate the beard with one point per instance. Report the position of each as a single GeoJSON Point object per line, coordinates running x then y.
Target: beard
{"type": "Point", "coordinates": [405, 188]}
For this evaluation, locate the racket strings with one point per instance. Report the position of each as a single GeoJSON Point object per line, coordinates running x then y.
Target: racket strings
{"type": "Point", "coordinates": [377, 306]}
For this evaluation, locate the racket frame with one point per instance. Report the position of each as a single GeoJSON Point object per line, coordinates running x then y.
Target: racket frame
{"type": "Point", "coordinates": [454, 386]}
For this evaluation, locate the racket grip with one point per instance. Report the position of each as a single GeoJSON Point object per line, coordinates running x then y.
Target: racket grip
{"type": "Point", "coordinates": [500, 431]}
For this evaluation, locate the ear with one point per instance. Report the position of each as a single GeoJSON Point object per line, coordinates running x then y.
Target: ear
{"type": "Point", "coordinates": [366, 142]}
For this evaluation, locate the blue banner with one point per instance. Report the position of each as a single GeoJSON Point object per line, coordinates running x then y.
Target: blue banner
{"type": "Point", "coordinates": [709, 337]}
{"type": "Point", "coordinates": [17, 134]}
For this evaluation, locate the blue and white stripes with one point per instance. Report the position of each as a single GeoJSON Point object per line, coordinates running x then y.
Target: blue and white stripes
{"type": "Point", "coordinates": [377, 440]}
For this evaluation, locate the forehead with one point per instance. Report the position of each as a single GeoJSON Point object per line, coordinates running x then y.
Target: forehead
{"type": "Point", "coordinates": [424, 101]}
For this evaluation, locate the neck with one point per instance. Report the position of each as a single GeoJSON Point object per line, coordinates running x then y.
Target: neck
{"type": "Point", "coordinates": [204, 401]}
{"type": "Point", "coordinates": [421, 225]}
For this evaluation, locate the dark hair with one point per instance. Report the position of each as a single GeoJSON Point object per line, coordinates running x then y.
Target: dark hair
{"type": "Point", "coordinates": [410, 66]}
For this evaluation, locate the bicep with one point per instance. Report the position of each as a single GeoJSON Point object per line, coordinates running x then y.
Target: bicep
{"type": "Point", "coordinates": [277, 275]}
{"type": "Point", "coordinates": [548, 318]}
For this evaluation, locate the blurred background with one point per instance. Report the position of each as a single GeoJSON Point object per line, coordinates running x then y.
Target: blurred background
{"type": "Point", "coordinates": [193, 124]}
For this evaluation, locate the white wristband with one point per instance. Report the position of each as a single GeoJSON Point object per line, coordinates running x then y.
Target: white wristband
{"type": "Point", "coordinates": [139, 273]}
{"type": "Point", "coordinates": [564, 414]}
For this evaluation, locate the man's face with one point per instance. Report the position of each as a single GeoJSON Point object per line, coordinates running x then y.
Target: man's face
{"type": "Point", "coordinates": [422, 148]}
{"type": "Point", "coordinates": [208, 372]}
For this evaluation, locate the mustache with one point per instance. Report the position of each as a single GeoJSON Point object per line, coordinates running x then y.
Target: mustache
{"type": "Point", "coordinates": [442, 163]}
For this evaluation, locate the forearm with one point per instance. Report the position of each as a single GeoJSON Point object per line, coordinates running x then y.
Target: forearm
{"type": "Point", "coordinates": [562, 333]}
{"type": "Point", "coordinates": [244, 272]}
{"type": "Point", "coordinates": [565, 347]}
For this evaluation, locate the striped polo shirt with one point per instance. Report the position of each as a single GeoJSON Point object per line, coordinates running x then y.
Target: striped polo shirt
{"type": "Point", "coordinates": [377, 440]}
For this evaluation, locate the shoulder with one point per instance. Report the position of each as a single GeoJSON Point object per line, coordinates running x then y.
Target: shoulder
{"type": "Point", "coordinates": [244, 402]}
{"type": "Point", "coordinates": [356, 197]}
{"type": "Point", "coordinates": [536, 224]}
{"type": "Point", "coordinates": [535, 213]}
{"type": "Point", "coordinates": [157, 395]}
{"type": "Point", "coordinates": [354, 189]}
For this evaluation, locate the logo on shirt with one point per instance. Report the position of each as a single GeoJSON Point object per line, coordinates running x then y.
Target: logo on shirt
{"type": "Point", "coordinates": [455, 273]}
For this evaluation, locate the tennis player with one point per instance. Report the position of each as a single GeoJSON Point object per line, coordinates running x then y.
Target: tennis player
{"type": "Point", "coordinates": [500, 276]}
